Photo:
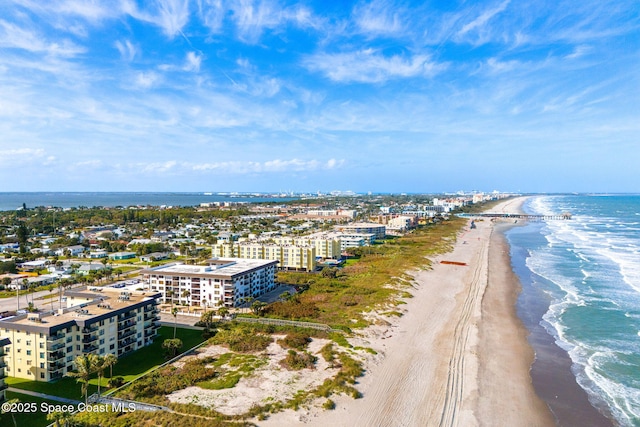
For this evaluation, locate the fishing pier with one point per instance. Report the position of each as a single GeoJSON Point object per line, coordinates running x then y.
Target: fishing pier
{"type": "Point", "coordinates": [525, 217]}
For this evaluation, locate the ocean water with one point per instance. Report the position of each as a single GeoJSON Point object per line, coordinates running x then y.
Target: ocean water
{"type": "Point", "coordinates": [14, 200]}
{"type": "Point", "coordinates": [589, 270]}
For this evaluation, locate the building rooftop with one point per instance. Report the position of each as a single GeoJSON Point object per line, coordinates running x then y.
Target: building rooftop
{"type": "Point", "coordinates": [83, 305]}
{"type": "Point", "coordinates": [217, 267]}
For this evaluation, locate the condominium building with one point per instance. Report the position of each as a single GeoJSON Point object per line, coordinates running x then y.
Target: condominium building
{"type": "Point", "coordinates": [378, 230]}
{"type": "Point", "coordinates": [4, 341]}
{"type": "Point", "coordinates": [290, 256]}
{"type": "Point", "coordinates": [224, 281]}
{"type": "Point", "coordinates": [44, 345]}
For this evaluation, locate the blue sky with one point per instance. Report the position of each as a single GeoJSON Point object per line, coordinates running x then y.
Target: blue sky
{"type": "Point", "coordinates": [382, 96]}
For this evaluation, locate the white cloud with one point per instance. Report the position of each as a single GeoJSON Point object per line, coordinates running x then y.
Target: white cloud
{"type": "Point", "coordinates": [127, 50]}
{"type": "Point", "coordinates": [145, 80]}
{"type": "Point", "coordinates": [19, 156]}
{"type": "Point", "coordinates": [276, 165]}
{"type": "Point", "coordinates": [192, 62]}
{"type": "Point", "coordinates": [369, 66]}
{"type": "Point", "coordinates": [481, 21]}
{"type": "Point", "coordinates": [378, 17]}
{"type": "Point", "coordinates": [13, 36]}
{"type": "Point", "coordinates": [170, 15]}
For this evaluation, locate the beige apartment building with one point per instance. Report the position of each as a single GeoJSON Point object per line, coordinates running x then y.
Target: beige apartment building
{"type": "Point", "coordinates": [301, 257]}
{"type": "Point", "coordinates": [4, 342]}
{"type": "Point", "coordinates": [43, 346]}
{"type": "Point", "coordinates": [224, 281]}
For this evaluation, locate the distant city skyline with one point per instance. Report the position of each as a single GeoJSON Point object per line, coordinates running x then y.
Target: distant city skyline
{"type": "Point", "coordinates": [264, 96]}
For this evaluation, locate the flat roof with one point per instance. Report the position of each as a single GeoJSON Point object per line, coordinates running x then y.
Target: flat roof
{"type": "Point", "coordinates": [218, 267]}
{"type": "Point", "coordinates": [102, 304]}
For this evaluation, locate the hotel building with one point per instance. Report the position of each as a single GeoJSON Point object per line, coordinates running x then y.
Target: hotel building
{"type": "Point", "coordinates": [378, 230]}
{"type": "Point", "coordinates": [225, 281]}
{"type": "Point", "coordinates": [44, 345]}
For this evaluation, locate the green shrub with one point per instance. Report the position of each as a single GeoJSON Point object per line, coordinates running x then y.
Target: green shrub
{"type": "Point", "coordinates": [297, 361]}
{"type": "Point", "coordinates": [296, 340]}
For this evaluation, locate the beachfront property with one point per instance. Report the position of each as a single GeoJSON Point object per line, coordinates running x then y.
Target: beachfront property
{"type": "Point", "coordinates": [4, 342]}
{"type": "Point", "coordinates": [223, 281]}
{"type": "Point", "coordinates": [345, 240]}
{"type": "Point", "coordinates": [44, 345]}
{"type": "Point", "coordinates": [378, 230]}
{"type": "Point", "coordinates": [289, 256]}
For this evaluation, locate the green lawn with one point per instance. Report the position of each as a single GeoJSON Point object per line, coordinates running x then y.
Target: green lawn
{"type": "Point", "coordinates": [30, 419]}
{"type": "Point", "coordinates": [127, 367]}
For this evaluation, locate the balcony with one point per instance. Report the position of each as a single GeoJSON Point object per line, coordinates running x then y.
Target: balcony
{"type": "Point", "coordinates": [89, 339]}
{"type": "Point", "coordinates": [93, 328]}
{"type": "Point", "coordinates": [56, 375]}
{"type": "Point", "coordinates": [151, 316]}
{"type": "Point", "coordinates": [55, 366]}
{"type": "Point", "coordinates": [128, 315]}
{"type": "Point", "coordinates": [126, 325]}
{"type": "Point", "coordinates": [126, 334]}
{"type": "Point", "coordinates": [150, 333]}
{"type": "Point", "coordinates": [55, 347]}
{"type": "Point", "coordinates": [89, 348]}
{"type": "Point", "coordinates": [127, 341]}
{"type": "Point", "coordinates": [56, 356]}
{"type": "Point", "coordinates": [57, 336]}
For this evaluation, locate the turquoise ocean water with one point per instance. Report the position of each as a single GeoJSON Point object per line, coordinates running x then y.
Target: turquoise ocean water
{"type": "Point", "coordinates": [588, 270]}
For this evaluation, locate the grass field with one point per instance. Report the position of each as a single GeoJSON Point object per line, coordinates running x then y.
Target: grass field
{"type": "Point", "coordinates": [36, 418]}
{"type": "Point", "coordinates": [127, 367]}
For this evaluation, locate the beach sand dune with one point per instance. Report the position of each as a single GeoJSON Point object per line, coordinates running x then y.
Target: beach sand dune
{"type": "Point", "coordinates": [458, 357]}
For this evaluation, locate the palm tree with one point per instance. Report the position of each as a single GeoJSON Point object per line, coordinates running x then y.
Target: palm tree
{"type": "Point", "coordinates": [223, 311]}
{"type": "Point", "coordinates": [185, 294]}
{"type": "Point", "coordinates": [98, 367]}
{"type": "Point", "coordinates": [174, 313]}
{"type": "Point", "coordinates": [51, 288]}
{"type": "Point", "coordinates": [110, 360]}
{"type": "Point", "coordinates": [85, 365]}
{"type": "Point", "coordinates": [59, 418]}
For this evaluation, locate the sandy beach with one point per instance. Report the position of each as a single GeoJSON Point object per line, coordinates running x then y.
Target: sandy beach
{"type": "Point", "coordinates": [458, 357]}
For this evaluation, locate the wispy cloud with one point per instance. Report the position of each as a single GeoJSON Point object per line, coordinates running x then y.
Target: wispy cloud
{"type": "Point", "coordinates": [276, 165]}
{"type": "Point", "coordinates": [192, 62]}
{"type": "Point", "coordinates": [127, 50]}
{"type": "Point", "coordinates": [370, 66]}
{"type": "Point", "coordinates": [378, 17]}
{"type": "Point", "coordinates": [16, 37]}
{"type": "Point", "coordinates": [479, 30]}
{"type": "Point", "coordinates": [170, 15]}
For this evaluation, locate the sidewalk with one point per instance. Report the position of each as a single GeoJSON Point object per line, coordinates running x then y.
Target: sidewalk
{"type": "Point", "coordinates": [43, 395]}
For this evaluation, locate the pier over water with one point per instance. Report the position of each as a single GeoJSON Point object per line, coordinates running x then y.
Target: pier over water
{"type": "Point", "coordinates": [526, 217]}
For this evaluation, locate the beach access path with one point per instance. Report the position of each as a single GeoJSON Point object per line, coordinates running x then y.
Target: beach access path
{"type": "Point", "coordinates": [459, 355]}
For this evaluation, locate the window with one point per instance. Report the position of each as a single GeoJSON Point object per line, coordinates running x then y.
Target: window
{"type": "Point", "coordinates": [42, 375]}
{"type": "Point", "coordinates": [69, 349]}
{"type": "Point", "coordinates": [41, 365]}
{"type": "Point", "coordinates": [28, 352]}
{"type": "Point", "coordinates": [29, 362]}
{"type": "Point", "coordinates": [41, 355]}
{"type": "Point", "coordinates": [28, 342]}
{"type": "Point", "coordinates": [101, 341]}
{"type": "Point", "coordinates": [112, 346]}
{"type": "Point", "coordinates": [41, 345]}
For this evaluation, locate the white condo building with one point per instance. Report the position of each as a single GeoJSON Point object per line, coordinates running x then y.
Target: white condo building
{"type": "Point", "coordinates": [224, 281]}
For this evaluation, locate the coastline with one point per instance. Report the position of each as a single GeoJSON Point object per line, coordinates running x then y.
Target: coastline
{"type": "Point", "coordinates": [458, 356]}
{"type": "Point", "coordinates": [551, 374]}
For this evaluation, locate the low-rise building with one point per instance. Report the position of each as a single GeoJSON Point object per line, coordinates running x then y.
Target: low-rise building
{"type": "Point", "coordinates": [122, 255]}
{"type": "Point", "coordinates": [224, 281]}
{"type": "Point", "coordinates": [44, 345]}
